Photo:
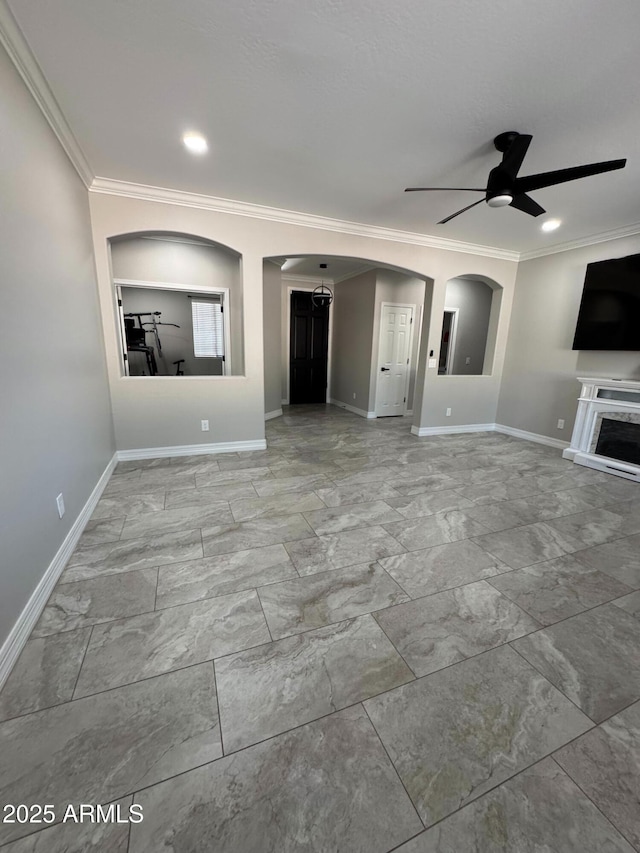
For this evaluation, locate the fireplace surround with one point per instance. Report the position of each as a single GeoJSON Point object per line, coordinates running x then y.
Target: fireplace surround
{"type": "Point", "coordinates": [606, 435]}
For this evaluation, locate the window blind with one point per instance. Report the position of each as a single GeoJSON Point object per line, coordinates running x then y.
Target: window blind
{"type": "Point", "coordinates": [208, 329]}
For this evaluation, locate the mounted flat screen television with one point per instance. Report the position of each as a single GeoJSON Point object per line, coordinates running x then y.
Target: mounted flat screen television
{"type": "Point", "coordinates": [609, 316]}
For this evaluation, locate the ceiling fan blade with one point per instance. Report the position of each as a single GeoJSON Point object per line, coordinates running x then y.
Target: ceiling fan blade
{"type": "Point", "coordinates": [515, 154]}
{"type": "Point", "coordinates": [561, 176]}
{"type": "Point", "coordinates": [458, 212]}
{"type": "Point", "coordinates": [527, 205]}
{"type": "Point", "coordinates": [444, 189]}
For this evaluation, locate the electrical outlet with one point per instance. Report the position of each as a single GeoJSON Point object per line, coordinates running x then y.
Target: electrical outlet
{"type": "Point", "coordinates": [354, 396]}
{"type": "Point", "coordinates": [205, 426]}
{"type": "Point", "coordinates": [60, 504]}
{"type": "Point", "coordinates": [467, 360]}
{"type": "Point", "coordinates": [448, 413]}
{"type": "Point", "coordinates": [560, 423]}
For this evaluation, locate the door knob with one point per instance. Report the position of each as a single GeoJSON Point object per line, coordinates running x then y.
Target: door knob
{"type": "Point", "coordinates": [385, 368]}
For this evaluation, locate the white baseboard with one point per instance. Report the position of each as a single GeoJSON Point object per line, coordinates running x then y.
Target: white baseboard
{"type": "Point", "coordinates": [531, 436]}
{"type": "Point", "coordinates": [19, 634]}
{"type": "Point", "coordinates": [191, 449]}
{"type": "Point", "coordinates": [361, 412]}
{"type": "Point", "coordinates": [275, 414]}
{"type": "Point", "coordinates": [421, 432]}
{"type": "Point", "coordinates": [507, 430]}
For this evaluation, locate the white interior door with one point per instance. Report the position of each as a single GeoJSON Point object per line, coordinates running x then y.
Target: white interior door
{"type": "Point", "coordinates": [393, 359]}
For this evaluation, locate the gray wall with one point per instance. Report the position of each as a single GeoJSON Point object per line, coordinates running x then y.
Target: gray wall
{"type": "Point", "coordinates": [472, 298]}
{"type": "Point", "coordinates": [353, 316]}
{"type": "Point", "coordinates": [172, 261]}
{"type": "Point", "coordinates": [539, 383]}
{"type": "Point", "coordinates": [272, 334]}
{"type": "Point", "coordinates": [55, 423]}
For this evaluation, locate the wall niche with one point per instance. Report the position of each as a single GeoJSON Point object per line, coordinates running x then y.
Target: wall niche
{"type": "Point", "coordinates": [470, 321]}
{"type": "Point", "coordinates": [179, 306]}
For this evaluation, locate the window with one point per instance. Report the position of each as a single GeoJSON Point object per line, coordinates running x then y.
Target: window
{"type": "Point", "coordinates": [208, 329]}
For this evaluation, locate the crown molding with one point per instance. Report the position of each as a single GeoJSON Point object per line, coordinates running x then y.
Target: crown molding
{"type": "Point", "coordinates": [20, 53]}
{"type": "Point", "coordinates": [109, 186]}
{"type": "Point", "coordinates": [602, 237]}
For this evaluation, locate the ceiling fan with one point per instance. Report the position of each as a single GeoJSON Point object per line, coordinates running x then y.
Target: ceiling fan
{"type": "Point", "coordinates": [504, 187]}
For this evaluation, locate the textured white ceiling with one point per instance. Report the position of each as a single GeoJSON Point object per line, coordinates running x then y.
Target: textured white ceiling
{"type": "Point", "coordinates": [332, 107]}
{"type": "Point", "coordinates": [337, 269]}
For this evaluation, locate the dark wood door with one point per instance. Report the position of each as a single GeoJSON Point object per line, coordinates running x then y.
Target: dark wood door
{"type": "Point", "coordinates": [309, 347]}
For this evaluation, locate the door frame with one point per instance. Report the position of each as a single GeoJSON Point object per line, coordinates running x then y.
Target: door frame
{"type": "Point", "coordinates": [290, 290]}
{"type": "Point", "coordinates": [223, 292]}
{"type": "Point", "coordinates": [453, 331]}
{"type": "Point", "coordinates": [414, 311]}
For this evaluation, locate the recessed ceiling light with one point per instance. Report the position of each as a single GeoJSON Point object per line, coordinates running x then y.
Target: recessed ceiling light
{"type": "Point", "coordinates": [195, 142]}
{"type": "Point", "coordinates": [551, 224]}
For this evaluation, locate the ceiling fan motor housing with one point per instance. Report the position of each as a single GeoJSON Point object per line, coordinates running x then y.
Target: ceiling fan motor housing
{"type": "Point", "coordinates": [499, 191]}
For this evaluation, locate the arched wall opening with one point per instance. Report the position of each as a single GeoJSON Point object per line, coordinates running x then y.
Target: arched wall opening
{"type": "Point", "coordinates": [366, 295]}
{"type": "Point", "coordinates": [178, 304]}
{"type": "Point", "coordinates": [470, 321]}
{"type": "Point", "coordinates": [177, 410]}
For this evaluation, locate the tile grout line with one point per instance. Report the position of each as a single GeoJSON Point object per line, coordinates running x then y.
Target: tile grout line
{"type": "Point", "coordinates": [616, 828]}
{"type": "Point", "coordinates": [391, 762]}
{"type": "Point", "coordinates": [398, 652]}
{"type": "Point", "coordinates": [217, 692]}
{"type": "Point", "coordinates": [75, 685]}
{"type": "Point", "coordinates": [264, 616]}
{"type": "Point", "coordinates": [155, 597]}
{"type": "Point", "coordinates": [129, 832]}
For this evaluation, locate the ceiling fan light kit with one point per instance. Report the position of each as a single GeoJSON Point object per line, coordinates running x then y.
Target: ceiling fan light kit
{"type": "Point", "coordinates": [504, 187]}
{"type": "Point", "coordinates": [501, 200]}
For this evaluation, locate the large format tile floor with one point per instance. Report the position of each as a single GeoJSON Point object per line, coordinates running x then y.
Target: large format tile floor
{"type": "Point", "coordinates": [355, 641]}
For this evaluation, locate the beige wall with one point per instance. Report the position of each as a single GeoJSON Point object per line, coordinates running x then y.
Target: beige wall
{"type": "Point", "coordinates": [272, 333]}
{"type": "Point", "coordinates": [354, 309]}
{"type": "Point", "coordinates": [472, 399]}
{"type": "Point", "coordinates": [186, 263]}
{"type": "Point", "coordinates": [235, 405]}
{"type": "Point", "coordinates": [539, 384]}
{"type": "Point", "coordinates": [55, 421]}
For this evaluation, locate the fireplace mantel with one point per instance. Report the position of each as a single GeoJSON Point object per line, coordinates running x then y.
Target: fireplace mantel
{"type": "Point", "coordinates": [612, 399]}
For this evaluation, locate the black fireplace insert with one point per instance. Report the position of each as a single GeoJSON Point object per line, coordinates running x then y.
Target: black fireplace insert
{"type": "Point", "coordinates": [619, 440]}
